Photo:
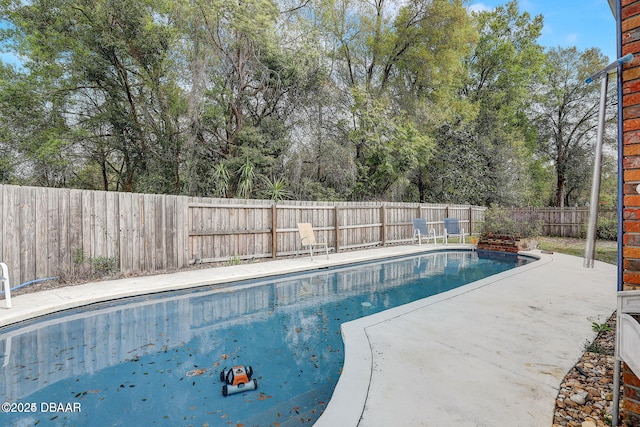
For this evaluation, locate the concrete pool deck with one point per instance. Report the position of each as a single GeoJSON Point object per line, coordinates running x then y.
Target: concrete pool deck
{"type": "Point", "coordinates": [490, 353]}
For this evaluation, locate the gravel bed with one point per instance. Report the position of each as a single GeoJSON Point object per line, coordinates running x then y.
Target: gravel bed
{"type": "Point", "coordinates": [585, 398]}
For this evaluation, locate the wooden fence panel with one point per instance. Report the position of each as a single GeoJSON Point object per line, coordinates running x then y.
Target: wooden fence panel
{"type": "Point", "coordinates": [559, 222]}
{"type": "Point", "coordinates": [171, 254]}
{"type": "Point", "coordinates": [399, 223]}
{"type": "Point", "coordinates": [182, 241]}
{"type": "Point", "coordinates": [10, 236]}
{"type": "Point", "coordinates": [64, 227]}
{"type": "Point", "coordinates": [434, 215]}
{"type": "Point", "coordinates": [41, 249]}
{"type": "Point", "coordinates": [220, 231]}
{"type": "Point", "coordinates": [125, 203]}
{"type": "Point", "coordinates": [27, 232]}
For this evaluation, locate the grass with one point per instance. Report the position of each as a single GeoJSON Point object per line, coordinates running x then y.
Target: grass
{"type": "Point", "coordinates": [606, 251]}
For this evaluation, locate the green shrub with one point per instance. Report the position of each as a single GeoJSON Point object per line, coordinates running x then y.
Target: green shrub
{"type": "Point", "coordinates": [83, 268]}
{"type": "Point", "coordinates": [104, 266]}
{"type": "Point", "coordinates": [607, 228]}
{"type": "Point", "coordinates": [502, 221]}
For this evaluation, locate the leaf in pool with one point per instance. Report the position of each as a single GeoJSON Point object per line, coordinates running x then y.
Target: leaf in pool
{"type": "Point", "coordinates": [239, 425]}
{"type": "Point", "coordinates": [92, 391]}
{"type": "Point", "coordinates": [224, 416]}
{"type": "Point", "coordinates": [193, 408]}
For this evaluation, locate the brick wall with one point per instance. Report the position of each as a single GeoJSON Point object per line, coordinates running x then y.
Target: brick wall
{"type": "Point", "coordinates": [631, 180]}
{"type": "Point", "coordinates": [500, 243]}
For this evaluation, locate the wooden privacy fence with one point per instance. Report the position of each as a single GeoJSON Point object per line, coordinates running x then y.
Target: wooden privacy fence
{"type": "Point", "coordinates": [45, 230]}
{"type": "Point", "coordinates": [560, 222]}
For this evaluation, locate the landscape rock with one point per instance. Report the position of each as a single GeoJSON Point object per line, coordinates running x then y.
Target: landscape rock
{"type": "Point", "coordinates": [580, 398]}
{"type": "Point", "coordinates": [591, 379]}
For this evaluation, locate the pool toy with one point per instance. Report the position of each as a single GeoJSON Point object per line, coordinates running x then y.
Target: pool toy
{"type": "Point", "coordinates": [237, 379]}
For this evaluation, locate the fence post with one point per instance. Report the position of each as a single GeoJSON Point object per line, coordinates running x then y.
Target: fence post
{"type": "Point", "coordinates": [383, 232]}
{"type": "Point", "coordinates": [274, 231]}
{"type": "Point", "coordinates": [470, 220]}
{"type": "Point", "coordinates": [337, 227]}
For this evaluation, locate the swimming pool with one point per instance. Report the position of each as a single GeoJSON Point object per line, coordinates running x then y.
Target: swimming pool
{"type": "Point", "coordinates": [155, 360]}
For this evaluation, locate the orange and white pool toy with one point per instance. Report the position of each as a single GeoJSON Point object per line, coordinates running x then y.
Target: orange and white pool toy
{"type": "Point", "coordinates": [237, 379]}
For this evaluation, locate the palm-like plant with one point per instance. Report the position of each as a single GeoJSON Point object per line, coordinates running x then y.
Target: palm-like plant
{"type": "Point", "coordinates": [247, 178]}
{"type": "Point", "coordinates": [221, 179]}
{"type": "Point", "coordinates": [275, 190]}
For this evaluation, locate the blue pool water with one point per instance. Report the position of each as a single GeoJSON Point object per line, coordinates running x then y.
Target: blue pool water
{"type": "Point", "coordinates": [156, 360]}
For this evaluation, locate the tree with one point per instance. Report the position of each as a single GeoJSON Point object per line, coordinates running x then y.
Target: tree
{"type": "Point", "coordinates": [102, 67]}
{"type": "Point", "coordinates": [566, 113]}
{"type": "Point", "coordinates": [37, 146]}
{"type": "Point", "coordinates": [394, 67]}
{"type": "Point", "coordinates": [502, 70]}
{"type": "Point", "coordinates": [246, 80]}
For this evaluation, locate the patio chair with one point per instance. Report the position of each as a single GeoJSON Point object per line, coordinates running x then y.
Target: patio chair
{"type": "Point", "coordinates": [420, 231]}
{"type": "Point", "coordinates": [5, 285]}
{"type": "Point", "coordinates": [452, 228]}
{"type": "Point", "coordinates": [308, 239]}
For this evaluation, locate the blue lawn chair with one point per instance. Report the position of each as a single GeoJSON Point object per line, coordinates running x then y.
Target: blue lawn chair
{"type": "Point", "coordinates": [452, 228]}
{"type": "Point", "coordinates": [420, 231]}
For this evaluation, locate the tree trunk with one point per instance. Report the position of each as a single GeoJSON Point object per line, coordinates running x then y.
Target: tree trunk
{"type": "Point", "coordinates": [560, 190]}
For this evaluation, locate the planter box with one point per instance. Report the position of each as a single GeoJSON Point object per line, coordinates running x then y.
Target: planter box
{"type": "Point", "coordinates": [505, 243]}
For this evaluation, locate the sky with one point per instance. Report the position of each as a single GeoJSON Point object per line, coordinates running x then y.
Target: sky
{"type": "Point", "coordinates": [580, 23]}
